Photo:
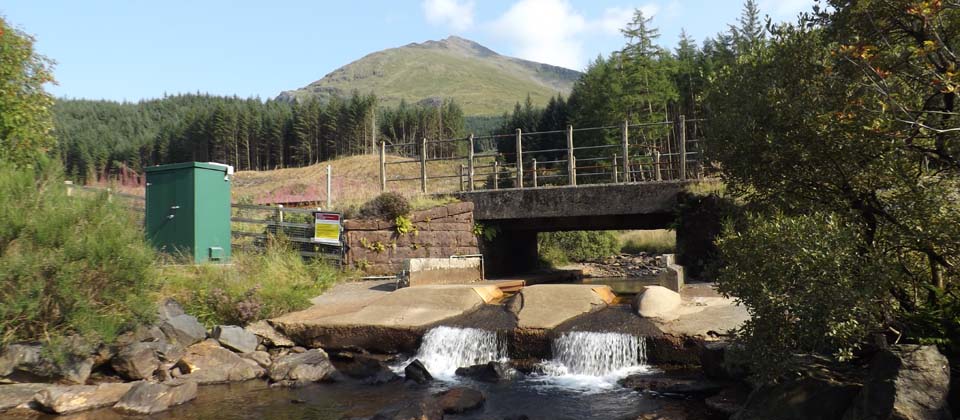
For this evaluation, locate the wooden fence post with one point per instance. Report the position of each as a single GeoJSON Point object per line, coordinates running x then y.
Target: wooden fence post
{"type": "Point", "coordinates": [656, 163]}
{"type": "Point", "coordinates": [470, 174]}
{"type": "Point", "coordinates": [423, 165]}
{"type": "Point", "coordinates": [625, 150]}
{"type": "Point", "coordinates": [571, 163]}
{"type": "Point", "coordinates": [496, 175]}
{"type": "Point", "coordinates": [461, 177]}
{"type": "Point", "coordinates": [615, 178]}
{"type": "Point", "coordinates": [383, 166]}
{"type": "Point", "coordinates": [329, 186]}
{"type": "Point", "coordinates": [519, 159]}
{"type": "Point", "coordinates": [683, 148]}
{"type": "Point", "coordinates": [534, 173]}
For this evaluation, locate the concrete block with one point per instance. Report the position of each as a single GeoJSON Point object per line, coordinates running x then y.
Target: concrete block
{"type": "Point", "coordinates": [428, 271]}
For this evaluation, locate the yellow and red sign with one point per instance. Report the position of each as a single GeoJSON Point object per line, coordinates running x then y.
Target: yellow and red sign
{"type": "Point", "coordinates": [326, 228]}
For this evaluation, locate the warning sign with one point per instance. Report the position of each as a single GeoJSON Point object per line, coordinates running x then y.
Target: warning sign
{"type": "Point", "coordinates": [326, 228]}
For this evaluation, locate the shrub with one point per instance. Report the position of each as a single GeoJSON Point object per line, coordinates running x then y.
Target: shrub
{"type": "Point", "coordinates": [577, 246]}
{"type": "Point", "coordinates": [386, 206]}
{"type": "Point", "coordinates": [700, 220]}
{"type": "Point", "coordinates": [256, 286]}
{"type": "Point", "coordinates": [68, 265]}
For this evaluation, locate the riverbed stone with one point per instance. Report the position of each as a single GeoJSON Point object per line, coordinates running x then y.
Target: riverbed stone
{"type": "Point", "coordinates": [19, 395]}
{"type": "Point", "coordinates": [235, 338]}
{"type": "Point", "coordinates": [364, 367]}
{"type": "Point", "coordinates": [907, 382]}
{"type": "Point", "coordinates": [297, 369]}
{"type": "Point", "coordinates": [488, 372]}
{"type": "Point", "coordinates": [184, 330]}
{"type": "Point", "coordinates": [269, 335]}
{"type": "Point", "coordinates": [206, 362]}
{"type": "Point", "coordinates": [460, 400]}
{"type": "Point", "coordinates": [149, 397]}
{"type": "Point", "coordinates": [417, 372]}
{"type": "Point", "coordinates": [687, 384]}
{"type": "Point", "coordinates": [426, 409]}
{"type": "Point", "coordinates": [74, 398]}
{"type": "Point", "coordinates": [136, 361]}
{"type": "Point", "coordinates": [657, 302]}
{"type": "Point", "coordinates": [261, 357]}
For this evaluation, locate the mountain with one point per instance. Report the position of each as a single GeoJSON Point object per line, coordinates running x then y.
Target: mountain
{"type": "Point", "coordinates": [480, 80]}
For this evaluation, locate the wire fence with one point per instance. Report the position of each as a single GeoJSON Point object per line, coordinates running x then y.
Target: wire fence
{"type": "Point", "coordinates": [648, 152]}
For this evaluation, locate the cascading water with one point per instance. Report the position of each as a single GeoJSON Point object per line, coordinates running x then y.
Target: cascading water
{"type": "Point", "coordinates": [444, 349]}
{"type": "Point", "coordinates": [596, 354]}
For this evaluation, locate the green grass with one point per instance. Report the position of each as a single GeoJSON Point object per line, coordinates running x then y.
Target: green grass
{"type": "Point", "coordinates": [482, 83]}
{"type": "Point", "coordinates": [254, 286]}
{"type": "Point", "coordinates": [659, 241]}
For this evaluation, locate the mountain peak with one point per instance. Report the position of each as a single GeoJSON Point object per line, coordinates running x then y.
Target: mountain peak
{"type": "Point", "coordinates": [480, 80]}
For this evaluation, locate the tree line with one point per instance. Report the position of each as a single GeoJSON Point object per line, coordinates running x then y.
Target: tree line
{"type": "Point", "coordinates": [99, 138]}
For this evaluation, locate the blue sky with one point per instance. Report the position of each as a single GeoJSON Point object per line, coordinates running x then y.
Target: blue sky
{"type": "Point", "coordinates": [137, 49]}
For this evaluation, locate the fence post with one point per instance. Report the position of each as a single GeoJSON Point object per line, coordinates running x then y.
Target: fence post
{"type": "Point", "coordinates": [423, 165]}
{"type": "Point", "coordinates": [69, 185]}
{"type": "Point", "coordinates": [279, 226]}
{"type": "Point", "coordinates": [656, 163]}
{"type": "Point", "coordinates": [683, 148]}
{"type": "Point", "coordinates": [496, 174]}
{"type": "Point", "coordinates": [383, 166]}
{"type": "Point", "coordinates": [519, 159]}
{"type": "Point", "coordinates": [615, 178]}
{"type": "Point", "coordinates": [625, 150]}
{"type": "Point", "coordinates": [461, 177]}
{"type": "Point", "coordinates": [534, 173]}
{"type": "Point", "coordinates": [571, 163]}
{"type": "Point", "coordinates": [329, 186]}
{"type": "Point", "coordinates": [470, 174]}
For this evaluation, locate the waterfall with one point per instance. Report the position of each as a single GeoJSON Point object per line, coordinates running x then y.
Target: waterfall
{"type": "Point", "coordinates": [596, 354]}
{"type": "Point", "coordinates": [444, 349]}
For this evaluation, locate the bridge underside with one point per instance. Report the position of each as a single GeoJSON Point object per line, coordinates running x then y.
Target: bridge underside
{"type": "Point", "coordinates": [519, 214]}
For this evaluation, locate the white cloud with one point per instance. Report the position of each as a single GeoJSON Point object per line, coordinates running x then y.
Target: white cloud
{"type": "Point", "coordinates": [457, 15]}
{"type": "Point", "coordinates": [553, 32]}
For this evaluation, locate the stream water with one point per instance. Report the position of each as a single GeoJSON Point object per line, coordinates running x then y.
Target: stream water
{"type": "Point", "coordinates": [580, 383]}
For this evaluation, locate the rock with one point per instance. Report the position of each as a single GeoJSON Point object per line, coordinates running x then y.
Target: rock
{"type": "Point", "coordinates": [656, 302]}
{"type": "Point", "coordinates": [19, 357]}
{"type": "Point", "coordinates": [417, 372]}
{"type": "Point", "coordinates": [301, 368]}
{"type": "Point", "coordinates": [717, 362]}
{"type": "Point", "coordinates": [17, 395]}
{"type": "Point", "coordinates": [460, 400]}
{"type": "Point", "coordinates": [728, 401]}
{"type": "Point", "coordinates": [235, 338]}
{"type": "Point", "coordinates": [366, 368]}
{"type": "Point", "coordinates": [298, 349]}
{"type": "Point", "coordinates": [149, 398]}
{"type": "Point", "coordinates": [269, 334]}
{"type": "Point", "coordinates": [184, 330]}
{"type": "Point", "coordinates": [807, 398]}
{"type": "Point", "coordinates": [417, 410]}
{"type": "Point", "coordinates": [136, 361]}
{"type": "Point", "coordinates": [907, 382]}
{"type": "Point", "coordinates": [206, 362]}
{"type": "Point", "coordinates": [261, 357]}
{"type": "Point", "coordinates": [70, 399]}
{"type": "Point", "coordinates": [168, 309]}
{"type": "Point", "coordinates": [21, 363]}
{"type": "Point", "coordinates": [671, 383]}
{"type": "Point", "coordinates": [489, 372]}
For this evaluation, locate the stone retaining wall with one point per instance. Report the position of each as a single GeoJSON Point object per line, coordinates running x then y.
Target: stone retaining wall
{"type": "Point", "coordinates": [375, 246]}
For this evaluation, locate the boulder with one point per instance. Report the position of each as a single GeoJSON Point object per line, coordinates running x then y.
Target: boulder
{"type": "Point", "coordinates": [718, 363]}
{"type": "Point", "coordinates": [417, 372]}
{"type": "Point", "coordinates": [296, 369]}
{"type": "Point", "coordinates": [806, 398]}
{"type": "Point", "coordinates": [136, 361]}
{"type": "Point", "coordinates": [184, 330]}
{"type": "Point", "coordinates": [18, 395]}
{"type": "Point", "coordinates": [907, 382]}
{"type": "Point", "coordinates": [25, 363]}
{"type": "Point", "coordinates": [261, 357]}
{"type": "Point", "coordinates": [727, 402]}
{"type": "Point", "coordinates": [366, 368]}
{"type": "Point", "coordinates": [417, 410]}
{"type": "Point", "coordinates": [488, 372]}
{"type": "Point", "coordinates": [269, 335]}
{"type": "Point", "coordinates": [149, 398]}
{"type": "Point", "coordinates": [667, 383]}
{"type": "Point", "coordinates": [206, 362]}
{"type": "Point", "coordinates": [70, 399]}
{"type": "Point", "coordinates": [235, 338]}
{"type": "Point", "coordinates": [656, 302]}
{"type": "Point", "coordinates": [460, 400]}
{"type": "Point", "coordinates": [169, 308]}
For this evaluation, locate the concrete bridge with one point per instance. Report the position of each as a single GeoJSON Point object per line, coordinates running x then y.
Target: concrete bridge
{"type": "Point", "coordinates": [519, 214]}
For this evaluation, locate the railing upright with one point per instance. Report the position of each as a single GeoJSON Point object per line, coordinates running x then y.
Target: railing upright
{"type": "Point", "coordinates": [625, 150]}
{"type": "Point", "coordinates": [383, 166]}
{"type": "Point", "coordinates": [534, 173]}
{"type": "Point", "coordinates": [470, 163]}
{"type": "Point", "coordinates": [571, 163]}
{"type": "Point", "coordinates": [519, 159]}
{"type": "Point", "coordinates": [683, 148]}
{"type": "Point", "coordinates": [423, 165]}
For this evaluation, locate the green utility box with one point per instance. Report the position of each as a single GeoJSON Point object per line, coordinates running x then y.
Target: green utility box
{"type": "Point", "coordinates": [188, 210]}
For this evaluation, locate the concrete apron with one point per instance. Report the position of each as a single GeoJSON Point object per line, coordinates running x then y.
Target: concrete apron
{"type": "Point", "coordinates": [397, 321]}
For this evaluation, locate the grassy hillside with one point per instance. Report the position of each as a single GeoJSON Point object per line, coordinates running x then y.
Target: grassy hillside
{"type": "Point", "coordinates": [482, 81]}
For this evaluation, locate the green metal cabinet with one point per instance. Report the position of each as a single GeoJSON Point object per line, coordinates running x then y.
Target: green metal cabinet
{"type": "Point", "coordinates": [188, 210]}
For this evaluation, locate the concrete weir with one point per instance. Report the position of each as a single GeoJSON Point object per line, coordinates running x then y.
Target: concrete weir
{"type": "Point", "coordinates": [396, 321]}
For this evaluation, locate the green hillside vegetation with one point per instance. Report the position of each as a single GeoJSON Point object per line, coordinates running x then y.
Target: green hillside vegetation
{"type": "Point", "coordinates": [480, 80]}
